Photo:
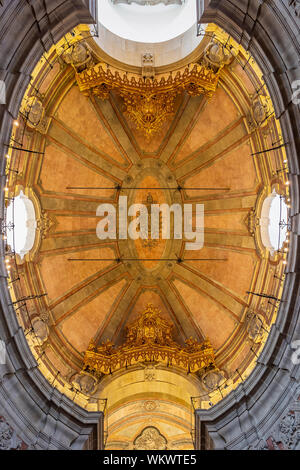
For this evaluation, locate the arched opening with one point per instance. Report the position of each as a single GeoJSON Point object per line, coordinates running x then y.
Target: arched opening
{"type": "Point", "coordinates": [274, 222]}
{"type": "Point", "coordinates": [135, 22]}
{"type": "Point", "coordinates": [167, 30]}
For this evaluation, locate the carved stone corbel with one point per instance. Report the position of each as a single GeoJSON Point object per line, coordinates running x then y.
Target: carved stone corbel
{"type": "Point", "coordinates": [79, 56]}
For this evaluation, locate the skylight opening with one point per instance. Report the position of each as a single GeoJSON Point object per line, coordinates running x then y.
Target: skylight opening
{"type": "Point", "coordinates": [22, 222]}
{"type": "Point", "coordinates": [147, 23]}
{"type": "Point", "coordinates": [278, 222]}
{"type": "Point", "coordinates": [274, 222]}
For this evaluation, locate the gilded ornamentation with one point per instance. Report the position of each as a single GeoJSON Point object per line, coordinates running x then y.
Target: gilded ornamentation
{"type": "Point", "coordinates": [149, 111]}
{"type": "Point", "coordinates": [148, 102]}
{"type": "Point", "coordinates": [150, 405]}
{"type": "Point", "coordinates": [252, 222]}
{"type": "Point", "coordinates": [150, 439]}
{"type": "Point", "coordinates": [44, 223]}
{"type": "Point", "coordinates": [151, 241]}
{"type": "Point", "coordinates": [150, 373]}
{"type": "Point", "coordinates": [149, 339]}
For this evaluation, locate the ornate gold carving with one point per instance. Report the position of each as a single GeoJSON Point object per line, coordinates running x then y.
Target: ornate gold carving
{"type": "Point", "coordinates": [148, 102]}
{"type": "Point", "coordinates": [149, 339]}
{"type": "Point", "coordinates": [45, 223]}
{"type": "Point", "coordinates": [252, 221]}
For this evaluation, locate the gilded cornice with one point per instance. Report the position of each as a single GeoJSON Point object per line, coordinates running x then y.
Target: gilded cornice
{"type": "Point", "coordinates": [148, 102]}
{"type": "Point", "coordinates": [149, 339]}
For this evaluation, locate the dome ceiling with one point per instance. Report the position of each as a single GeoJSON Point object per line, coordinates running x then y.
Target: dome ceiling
{"type": "Point", "coordinates": [96, 288]}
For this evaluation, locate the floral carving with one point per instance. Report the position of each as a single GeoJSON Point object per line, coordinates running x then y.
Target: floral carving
{"type": "Point", "coordinates": [8, 437]}
{"type": "Point", "coordinates": [296, 5]}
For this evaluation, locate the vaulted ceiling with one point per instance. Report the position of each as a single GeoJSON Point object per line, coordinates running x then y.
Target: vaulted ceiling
{"type": "Point", "coordinates": [207, 143]}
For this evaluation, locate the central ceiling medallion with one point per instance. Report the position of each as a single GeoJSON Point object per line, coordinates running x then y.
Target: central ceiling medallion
{"type": "Point", "coordinates": [148, 102]}
{"type": "Point", "coordinates": [149, 339]}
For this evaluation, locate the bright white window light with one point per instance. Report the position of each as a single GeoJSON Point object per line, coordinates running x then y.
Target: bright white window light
{"type": "Point", "coordinates": [21, 215]}
{"type": "Point", "coordinates": [147, 23]}
{"type": "Point", "coordinates": [274, 221]}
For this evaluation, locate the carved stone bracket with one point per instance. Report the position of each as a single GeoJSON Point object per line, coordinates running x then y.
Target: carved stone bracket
{"type": "Point", "coordinates": [286, 433]}
{"type": "Point", "coordinates": [212, 380]}
{"type": "Point", "coordinates": [41, 331]}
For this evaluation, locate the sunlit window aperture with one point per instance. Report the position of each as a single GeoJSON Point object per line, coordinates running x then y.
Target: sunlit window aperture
{"type": "Point", "coordinates": [167, 31]}
{"type": "Point", "coordinates": [147, 23]}
{"type": "Point", "coordinates": [274, 222]}
{"type": "Point", "coordinates": [21, 216]}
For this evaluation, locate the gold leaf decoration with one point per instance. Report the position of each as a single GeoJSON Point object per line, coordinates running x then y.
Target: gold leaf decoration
{"type": "Point", "coordinates": [148, 339]}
